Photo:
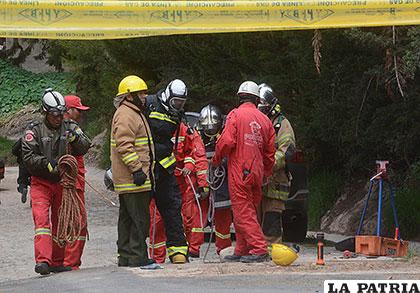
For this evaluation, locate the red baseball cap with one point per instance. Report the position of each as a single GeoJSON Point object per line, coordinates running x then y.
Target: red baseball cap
{"type": "Point", "coordinates": [75, 102]}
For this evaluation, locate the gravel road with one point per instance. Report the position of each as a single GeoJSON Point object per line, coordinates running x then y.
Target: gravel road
{"type": "Point", "coordinates": [99, 259]}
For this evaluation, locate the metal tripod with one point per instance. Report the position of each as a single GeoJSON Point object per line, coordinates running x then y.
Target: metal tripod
{"type": "Point", "coordinates": [379, 179]}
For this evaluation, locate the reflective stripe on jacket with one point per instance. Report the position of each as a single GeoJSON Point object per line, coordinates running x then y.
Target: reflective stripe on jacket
{"type": "Point", "coordinates": [279, 185]}
{"type": "Point", "coordinates": [185, 150]}
{"type": "Point", "coordinates": [163, 127]}
{"type": "Point", "coordinates": [131, 149]}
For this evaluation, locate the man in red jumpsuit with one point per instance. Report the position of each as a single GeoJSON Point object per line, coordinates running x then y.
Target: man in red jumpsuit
{"type": "Point", "coordinates": [191, 175]}
{"type": "Point", "coordinates": [248, 143]}
{"type": "Point", "coordinates": [43, 145]}
{"type": "Point", "coordinates": [70, 255]}
{"type": "Point", "coordinates": [210, 125]}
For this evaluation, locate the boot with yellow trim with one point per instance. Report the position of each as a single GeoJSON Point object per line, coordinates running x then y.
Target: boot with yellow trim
{"type": "Point", "coordinates": [178, 258]}
{"type": "Point", "coordinates": [178, 254]}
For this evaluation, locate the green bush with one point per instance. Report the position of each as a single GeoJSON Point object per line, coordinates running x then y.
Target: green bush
{"type": "Point", "coordinates": [407, 202]}
{"type": "Point", "coordinates": [324, 189]}
{"type": "Point", "coordinates": [19, 87]}
{"type": "Point", "coordinates": [6, 151]}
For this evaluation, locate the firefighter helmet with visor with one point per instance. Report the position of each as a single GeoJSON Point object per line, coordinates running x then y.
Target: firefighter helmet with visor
{"type": "Point", "coordinates": [268, 101]}
{"type": "Point", "coordinates": [174, 97]}
{"type": "Point", "coordinates": [210, 120]}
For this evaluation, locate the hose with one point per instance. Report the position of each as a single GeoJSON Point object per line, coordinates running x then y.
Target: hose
{"type": "Point", "coordinates": [71, 214]}
{"type": "Point", "coordinates": [197, 196]}
{"type": "Point", "coordinates": [211, 220]}
{"type": "Point", "coordinates": [215, 178]}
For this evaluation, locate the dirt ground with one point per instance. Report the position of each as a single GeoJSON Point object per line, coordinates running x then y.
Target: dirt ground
{"type": "Point", "coordinates": [17, 260]}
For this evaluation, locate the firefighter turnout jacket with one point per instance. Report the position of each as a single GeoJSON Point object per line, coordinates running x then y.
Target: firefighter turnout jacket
{"type": "Point", "coordinates": [279, 185]}
{"type": "Point", "coordinates": [43, 146]}
{"type": "Point", "coordinates": [131, 149]}
{"type": "Point", "coordinates": [163, 128]}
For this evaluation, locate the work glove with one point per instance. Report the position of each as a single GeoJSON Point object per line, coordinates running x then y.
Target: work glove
{"type": "Point", "coordinates": [71, 135]}
{"type": "Point", "coordinates": [53, 167]}
{"type": "Point", "coordinates": [203, 192]}
{"type": "Point", "coordinates": [23, 190]}
{"type": "Point", "coordinates": [139, 177]}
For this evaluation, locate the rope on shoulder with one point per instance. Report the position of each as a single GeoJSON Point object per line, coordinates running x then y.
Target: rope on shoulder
{"type": "Point", "coordinates": [72, 213]}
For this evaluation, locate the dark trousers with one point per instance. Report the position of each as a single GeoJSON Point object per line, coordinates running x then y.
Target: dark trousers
{"type": "Point", "coordinates": [133, 228]}
{"type": "Point", "coordinates": [168, 201]}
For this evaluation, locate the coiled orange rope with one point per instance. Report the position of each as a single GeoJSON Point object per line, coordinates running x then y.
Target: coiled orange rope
{"type": "Point", "coordinates": [71, 214]}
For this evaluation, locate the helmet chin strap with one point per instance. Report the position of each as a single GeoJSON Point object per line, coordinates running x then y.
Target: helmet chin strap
{"type": "Point", "coordinates": [138, 103]}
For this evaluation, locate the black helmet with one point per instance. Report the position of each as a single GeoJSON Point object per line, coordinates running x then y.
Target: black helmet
{"type": "Point", "coordinates": [174, 97]}
{"type": "Point", "coordinates": [53, 102]}
{"type": "Point", "coordinates": [268, 100]}
{"type": "Point", "coordinates": [210, 120]}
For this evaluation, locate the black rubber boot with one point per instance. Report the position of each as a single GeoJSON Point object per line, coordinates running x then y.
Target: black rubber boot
{"type": "Point", "coordinates": [254, 258]}
{"type": "Point", "coordinates": [42, 268]}
{"type": "Point", "coordinates": [232, 258]}
{"type": "Point", "coordinates": [60, 269]}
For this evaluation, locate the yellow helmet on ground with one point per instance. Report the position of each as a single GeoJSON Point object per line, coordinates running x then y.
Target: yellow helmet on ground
{"type": "Point", "coordinates": [283, 255]}
{"type": "Point", "coordinates": [131, 83]}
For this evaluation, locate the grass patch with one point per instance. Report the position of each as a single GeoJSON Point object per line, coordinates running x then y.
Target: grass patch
{"type": "Point", "coordinates": [324, 187]}
{"type": "Point", "coordinates": [6, 151]}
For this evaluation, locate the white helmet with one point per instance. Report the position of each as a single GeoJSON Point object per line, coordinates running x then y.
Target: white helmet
{"type": "Point", "coordinates": [53, 102]}
{"type": "Point", "coordinates": [175, 96]}
{"type": "Point", "coordinates": [248, 88]}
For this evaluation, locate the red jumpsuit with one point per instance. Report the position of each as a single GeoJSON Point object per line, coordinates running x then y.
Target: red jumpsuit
{"type": "Point", "coordinates": [193, 222]}
{"type": "Point", "coordinates": [41, 146]}
{"type": "Point", "coordinates": [222, 222]}
{"type": "Point", "coordinates": [157, 244]}
{"type": "Point", "coordinates": [222, 212]}
{"type": "Point", "coordinates": [248, 143]}
{"type": "Point", "coordinates": [70, 255]}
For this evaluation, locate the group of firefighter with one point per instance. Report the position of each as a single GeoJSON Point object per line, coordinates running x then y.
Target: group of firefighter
{"type": "Point", "coordinates": [172, 178]}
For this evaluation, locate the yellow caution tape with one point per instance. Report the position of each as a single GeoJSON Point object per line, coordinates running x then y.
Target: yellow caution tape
{"type": "Point", "coordinates": [86, 19]}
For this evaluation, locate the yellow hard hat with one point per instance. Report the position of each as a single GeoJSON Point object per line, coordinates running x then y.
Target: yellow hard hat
{"type": "Point", "coordinates": [283, 255]}
{"type": "Point", "coordinates": [131, 83]}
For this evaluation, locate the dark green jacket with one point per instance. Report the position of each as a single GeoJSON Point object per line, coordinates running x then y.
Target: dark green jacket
{"type": "Point", "coordinates": [43, 145]}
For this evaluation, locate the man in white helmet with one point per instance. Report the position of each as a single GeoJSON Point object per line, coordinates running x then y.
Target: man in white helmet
{"type": "Point", "coordinates": [166, 110]}
{"type": "Point", "coordinates": [248, 143]}
{"type": "Point", "coordinates": [43, 144]}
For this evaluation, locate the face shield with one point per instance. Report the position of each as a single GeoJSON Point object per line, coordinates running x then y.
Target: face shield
{"type": "Point", "coordinates": [177, 103]}
{"type": "Point", "coordinates": [264, 107]}
{"type": "Point", "coordinates": [210, 121]}
{"type": "Point", "coordinates": [57, 111]}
